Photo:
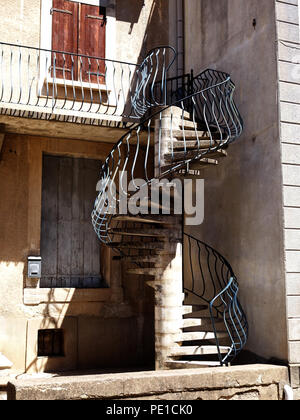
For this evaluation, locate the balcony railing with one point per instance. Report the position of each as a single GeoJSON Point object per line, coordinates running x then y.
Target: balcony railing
{"type": "Point", "coordinates": [44, 84]}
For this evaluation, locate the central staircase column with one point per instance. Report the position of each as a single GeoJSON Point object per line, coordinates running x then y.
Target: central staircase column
{"type": "Point", "coordinates": [168, 304]}
{"type": "Point", "coordinates": [168, 282]}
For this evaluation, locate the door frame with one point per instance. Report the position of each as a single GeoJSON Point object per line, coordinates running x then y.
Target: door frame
{"type": "Point", "coordinates": [33, 294]}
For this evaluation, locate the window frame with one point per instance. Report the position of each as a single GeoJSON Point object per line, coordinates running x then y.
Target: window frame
{"type": "Point", "coordinates": [46, 44]}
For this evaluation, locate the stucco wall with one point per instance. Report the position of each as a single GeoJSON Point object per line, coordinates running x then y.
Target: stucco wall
{"type": "Point", "coordinates": [103, 328]}
{"type": "Point", "coordinates": [243, 196]}
{"type": "Point", "coordinates": [289, 96]}
{"type": "Point", "coordinates": [110, 328]}
{"type": "Point", "coordinates": [136, 25]}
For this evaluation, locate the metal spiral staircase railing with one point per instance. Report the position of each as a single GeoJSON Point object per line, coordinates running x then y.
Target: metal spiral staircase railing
{"type": "Point", "coordinates": [211, 279]}
{"type": "Point", "coordinates": [173, 140]}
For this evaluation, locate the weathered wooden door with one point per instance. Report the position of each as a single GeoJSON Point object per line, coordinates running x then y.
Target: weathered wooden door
{"type": "Point", "coordinates": [69, 247]}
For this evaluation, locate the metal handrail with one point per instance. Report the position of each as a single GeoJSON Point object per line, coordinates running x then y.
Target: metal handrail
{"type": "Point", "coordinates": [211, 279]}
{"type": "Point", "coordinates": [49, 84]}
{"type": "Point", "coordinates": [213, 108]}
{"type": "Point", "coordinates": [212, 112]}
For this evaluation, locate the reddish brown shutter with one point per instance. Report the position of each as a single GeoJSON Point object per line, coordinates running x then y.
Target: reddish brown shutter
{"type": "Point", "coordinates": [92, 43]}
{"type": "Point", "coordinates": [65, 37]}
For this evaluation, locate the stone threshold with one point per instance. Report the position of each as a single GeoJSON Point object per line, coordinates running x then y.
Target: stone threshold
{"type": "Point", "coordinates": [250, 382]}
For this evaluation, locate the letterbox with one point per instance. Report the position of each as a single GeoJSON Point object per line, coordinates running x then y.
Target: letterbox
{"type": "Point", "coordinates": [34, 267]}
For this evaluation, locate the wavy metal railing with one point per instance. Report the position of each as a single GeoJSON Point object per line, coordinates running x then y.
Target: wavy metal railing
{"type": "Point", "coordinates": [211, 110]}
{"type": "Point", "coordinates": [149, 152]}
{"type": "Point", "coordinates": [210, 277]}
{"type": "Point", "coordinates": [45, 84]}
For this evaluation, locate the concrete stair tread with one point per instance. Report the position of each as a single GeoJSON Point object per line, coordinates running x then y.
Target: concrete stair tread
{"type": "Point", "coordinates": [195, 314]}
{"type": "Point", "coordinates": [137, 245]}
{"type": "Point", "coordinates": [151, 233]}
{"type": "Point", "coordinates": [195, 336]}
{"type": "Point", "coordinates": [153, 272]}
{"type": "Point", "coordinates": [198, 350]}
{"type": "Point", "coordinates": [142, 259]}
{"type": "Point", "coordinates": [194, 323]}
{"type": "Point", "coordinates": [174, 112]}
{"type": "Point", "coordinates": [184, 364]}
{"type": "Point", "coordinates": [157, 219]}
{"type": "Point", "coordinates": [179, 156]}
{"type": "Point", "coordinates": [194, 134]}
{"type": "Point", "coordinates": [194, 145]}
{"type": "Point", "coordinates": [199, 164]}
{"type": "Point", "coordinates": [190, 309]}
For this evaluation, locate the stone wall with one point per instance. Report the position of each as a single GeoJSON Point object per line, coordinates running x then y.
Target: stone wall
{"type": "Point", "coordinates": [256, 382]}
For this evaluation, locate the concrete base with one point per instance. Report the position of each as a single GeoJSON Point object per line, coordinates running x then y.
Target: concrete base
{"type": "Point", "coordinates": [252, 382]}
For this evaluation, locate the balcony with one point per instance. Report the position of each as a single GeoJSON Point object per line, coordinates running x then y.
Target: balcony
{"type": "Point", "coordinates": [45, 85]}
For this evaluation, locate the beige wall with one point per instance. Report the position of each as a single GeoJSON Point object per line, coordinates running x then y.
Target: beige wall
{"type": "Point", "coordinates": [103, 328]}
{"type": "Point", "coordinates": [243, 196]}
{"type": "Point", "coordinates": [289, 96]}
{"type": "Point", "coordinates": [132, 29]}
{"type": "Point", "coordinates": [137, 25]}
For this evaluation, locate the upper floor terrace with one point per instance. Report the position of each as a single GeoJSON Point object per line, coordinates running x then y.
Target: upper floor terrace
{"type": "Point", "coordinates": [49, 85]}
{"type": "Point", "coordinates": [67, 61]}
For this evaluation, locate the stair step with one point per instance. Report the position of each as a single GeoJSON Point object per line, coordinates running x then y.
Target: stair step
{"type": "Point", "coordinates": [205, 328]}
{"type": "Point", "coordinates": [197, 165]}
{"type": "Point", "coordinates": [195, 314]}
{"type": "Point", "coordinates": [198, 324]}
{"type": "Point", "coordinates": [149, 233]}
{"type": "Point", "coordinates": [182, 364]}
{"type": "Point", "coordinates": [189, 123]}
{"type": "Point", "coordinates": [137, 245]}
{"type": "Point", "coordinates": [157, 219]}
{"type": "Point", "coordinates": [194, 309]}
{"type": "Point", "coordinates": [198, 350]}
{"type": "Point", "coordinates": [195, 323]}
{"type": "Point", "coordinates": [153, 272]}
{"type": "Point", "coordinates": [194, 135]}
{"type": "Point", "coordinates": [174, 112]}
{"type": "Point", "coordinates": [195, 336]}
{"type": "Point", "coordinates": [195, 145]}
{"type": "Point", "coordinates": [143, 259]}
{"type": "Point", "coordinates": [180, 156]}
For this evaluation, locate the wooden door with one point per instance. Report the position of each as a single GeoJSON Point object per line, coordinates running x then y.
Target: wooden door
{"type": "Point", "coordinates": [70, 249]}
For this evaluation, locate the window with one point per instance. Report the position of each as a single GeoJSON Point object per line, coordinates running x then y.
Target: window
{"type": "Point", "coordinates": [51, 343]}
{"type": "Point", "coordinates": [78, 28]}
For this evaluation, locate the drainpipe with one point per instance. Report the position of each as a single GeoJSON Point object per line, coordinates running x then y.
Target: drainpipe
{"type": "Point", "coordinates": [180, 36]}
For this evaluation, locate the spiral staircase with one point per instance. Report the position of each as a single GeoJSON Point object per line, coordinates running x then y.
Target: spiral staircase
{"type": "Point", "coordinates": [199, 320]}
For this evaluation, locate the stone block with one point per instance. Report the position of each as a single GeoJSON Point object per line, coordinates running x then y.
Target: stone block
{"type": "Point", "coordinates": [241, 382]}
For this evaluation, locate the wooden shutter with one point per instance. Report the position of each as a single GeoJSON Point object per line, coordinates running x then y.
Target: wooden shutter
{"type": "Point", "coordinates": [92, 42]}
{"type": "Point", "coordinates": [65, 38]}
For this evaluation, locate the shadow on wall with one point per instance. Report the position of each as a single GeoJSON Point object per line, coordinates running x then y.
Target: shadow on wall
{"type": "Point", "coordinates": [156, 31]}
{"type": "Point", "coordinates": [112, 334]}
